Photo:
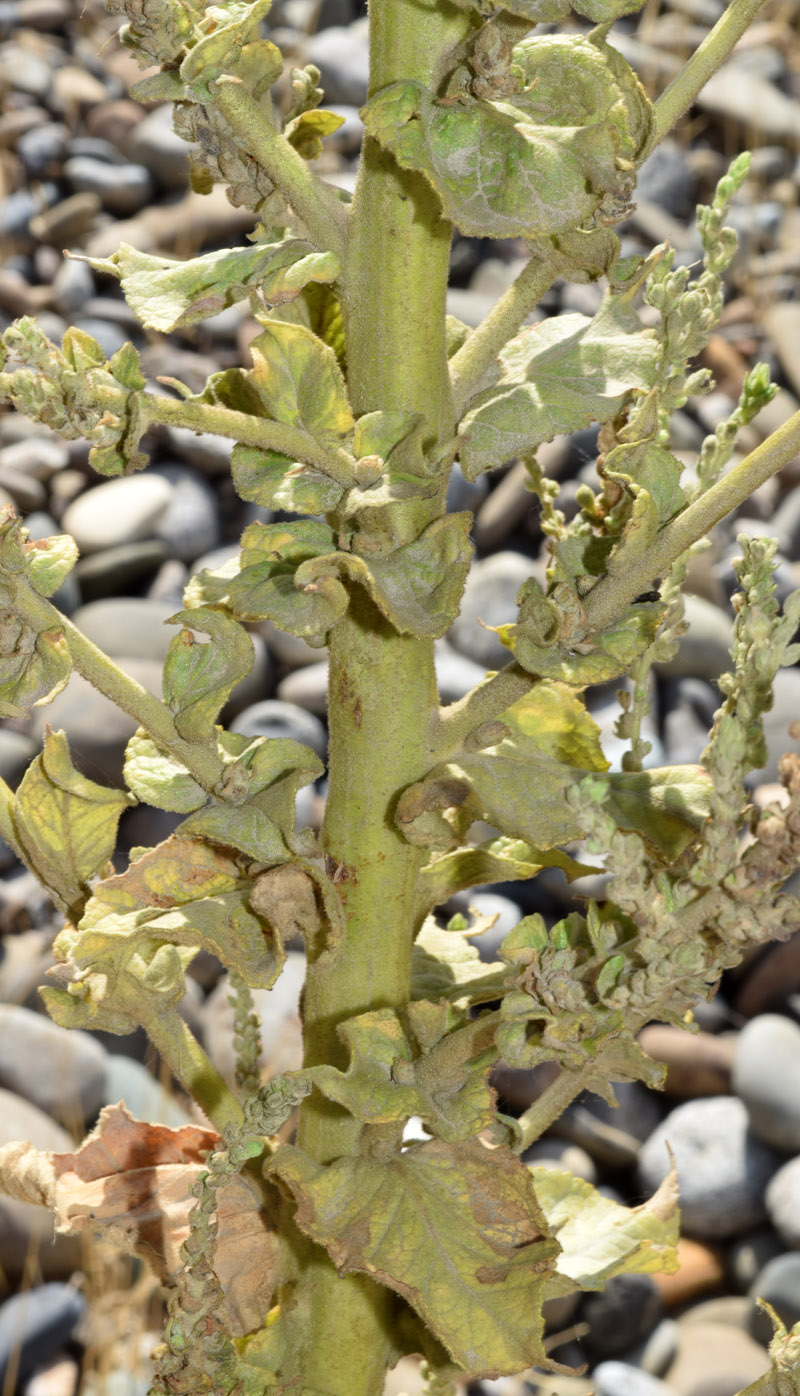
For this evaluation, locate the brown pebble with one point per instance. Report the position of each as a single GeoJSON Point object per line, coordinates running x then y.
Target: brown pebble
{"type": "Point", "coordinates": [726, 364]}
{"type": "Point", "coordinates": [714, 1359]}
{"type": "Point", "coordinates": [697, 1063]}
{"type": "Point", "coordinates": [114, 121]}
{"type": "Point", "coordinates": [775, 975]}
{"type": "Point", "coordinates": [700, 1268]}
{"type": "Point", "coordinates": [66, 221]}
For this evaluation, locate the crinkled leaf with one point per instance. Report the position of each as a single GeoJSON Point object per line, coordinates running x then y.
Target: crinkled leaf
{"type": "Point", "coordinates": [211, 56]}
{"type": "Point", "coordinates": [556, 377]}
{"type": "Point", "coordinates": [555, 718]}
{"type": "Point", "coordinates": [299, 381]}
{"type": "Point", "coordinates": [599, 1238]}
{"type": "Point", "coordinates": [276, 482]}
{"type": "Point", "coordinates": [452, 1227]}
{"type": "Point", "coordinates": [667, 805]}
{"type": "Point", "coordinates": [50, 561]}
{"type": "Point", "coordinates": [536, 644]}
{"type": "Point", "coordinates": [244, 827]}
{"type": "Point", "coordinates": [34, 666]}
{"type": "Point", "coordinates": [445, 964]}
{"type": "Point", "coordinates": [307, 131]}
{"type": "Point", "coordinates": [210, 587]}
{"type": "Point", "coordinates": [497, 860]}
{"type": "Point", "coordinates": [66, 824]}
{"type": "Point", "coordinates": [158, 779]}
{"type": "Point", "coordinates": [199, 677]}
{"type": "Point", "coordinates": [165, 294]}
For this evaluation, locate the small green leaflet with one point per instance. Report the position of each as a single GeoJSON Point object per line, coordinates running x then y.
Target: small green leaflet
{"type": "Point", "coordinates": [166, 294]}
{"type": "Point", "coordinates": [453, 1227]}
{"type": "Point", "coordinates": [199, 677]}
{"type": "Point", "coordinates": [159, 780]}
{"type": "Point", "coordinates": [299, 381]}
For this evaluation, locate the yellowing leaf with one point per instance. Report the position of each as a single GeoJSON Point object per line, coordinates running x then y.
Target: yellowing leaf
{"type": "Point", "coordinates": [299, 381]}
{"type": "Point", "coordinates": [307, 131]}
{"type": "Point", "coordinates": [598, 1237]}
{"type": "Point", "coordinates": [198, 678]}
{"type": "Point", "coordinates": [158, 779]}
{"type": "Point", "coordinates": [496, 860]}
{"type": "Point", "coordinates": [34, 665]}
{"type": "Point", "coordinates": [268, 478]}
{"type": "Point", "coordinates": [453, 1227]}
{"type": "Point", "coordinates": [446, 964]}
{"type": "Point", "coordinates": [66, 824]}
{"type": "Point", "coordinates": [50, 561]}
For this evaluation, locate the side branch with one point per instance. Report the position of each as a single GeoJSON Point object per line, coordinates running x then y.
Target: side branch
{"type": "Point", "coordinates": [320, 208]}
{"type": "Point", "coordinates": [483, 703]}
{"type": "Point", "coordinates": [469, 364]}
{"type": "Point", "coordinates": [704, 62]}
{"type": "Point", "coordinates": [612, 595]}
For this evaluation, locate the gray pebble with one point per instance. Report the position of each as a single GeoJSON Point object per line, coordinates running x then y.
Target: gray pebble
{"type": "Point", "coordinates": [17, 210]}
{"type": "Point", "coordinates": [665, 178]}
{"type": "Point", "coordinates": [128, 626]}
{"type": "Point", "coordinates": [118, 511]}
{"type": "Point", "coordinates": [39, 455]}
{"type": "Point", "coordinates": [26, 1228]}
{"type": "Point", "coordinates": [60, 1071]}
{"type": "Point", "coordinates": [783, 1203]}
{"type": "Point", "coordinates": [36, 1324]}
{"type": "Point", "coordinates": [490, 596]}
{"type": "Point", "coordinates": [42, 147]}
{"type": "Point", "coordinates": [623, 1314]}
{"type": "Point", "coordinates": [455, 674]}
{"type": "Point", "coordinates": [508, 916]}
{"type": "Point", "coordinates": [274, 718]}
{"type": "Point", "coordinates": [146, 1099]}
{"type": "Point", "coordinates": [189, 526]}
{"type": "Point", "coordinates": [704, 651]}
{"type": "Point", "coordinates": [779, 1284]}
{"type": "Point", "coordinates": [97, 730]}
{"type": "Point", "coordinates": [621, 1379]}
{"type": "Point", "coordinates": [112, 570]}
{"type": "Point", "coordinates": [73, 286]}
{"type": "Point", "coordinates": [307, 687]}
{"type": "Point", "coordinates": [342, 56]}
{"type": "Point", "coordinates": [27, 492]}
{"type": "Point", "coordinates": [689, 704]}
{"type": "Point", "coordinates": [25, 71]}
{"type": "Point", "coordinates": [559, 1153]}
{"type": "Point", "coordinates": [291, 650]}
{"type": "Point", "coordinates": [153, 143]}
{"type": "Point", "coordinates": [209, 454]}
{"type": "Point", "coordinates": [95, 148]}
{"type": "Point", "coordinates": [766, 1076]}
{"type": "Point", "coordinates": [747, 1255]}
{"type": "Point", "coordinates": [784, 711]}
{"type": "Point", "coordinates": [722, 1167]}
{"type": "Point", "coordinates": [16, 753]}
{"type": "Point", "coordinates": [465, 494]}
{"type": "Point", "coordinates": [658, 1350]}
{"type": "Point", "coordinates": [122, 189]}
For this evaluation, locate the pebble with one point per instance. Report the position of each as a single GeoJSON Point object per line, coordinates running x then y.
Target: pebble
{"type": "Point", "coordinates": [68, 596]}
{"type": "Point", "coordinates": [665, 179]}
{"type": "Point", "coordinates": [67, 221]}
{"type": "Point", "coordinates": [342, 56]}
{"type": "Point", "coordinates": [770, 980]}
{"type": "Point", "coordinates": [766, 1076]}
{"type": "Point", "coordinates": [714, 1359]}
{"type": "Point", "coordinates": [122, 189]}
{"type": "Point", "coordinates": [704, 651]}
{"type": "Point", "coordinates": [109, 336]}
{"type": "Point", "coordinates": [35, 1325]}
{"type": "Point", "coordinates": [783, 1203]}
{"type": "Point", "coordinates": [307, 687]}
{"type": "Point", "coordinates": [455, 674]}
{"type": "Point", "coordinates": [146, 1099]}
{"type": "Point", "coordinates": [118, 511]}
{"type": "Point", "coordinates": [26, 492]}
{"type": "Point", "coordinates": [40, 456]}
{"type": "Point", "coordinates": [508, 915]}
{"type": "Point", "coordinates": [59, 1070]}
{"type": "Point", "coordinates": [698, 1064]}
{"type": "Point", "coordinates": [287, 721]}
{"type": "Point", "coordinates": [114, 569]}
{"type": "Point", "coordinates": [291, 650]}
{"type": "Point", "coordinates": [623, 1314]}
{"type": "Point", "coordinates": [60, 1377]}
{"type": "Point", "coordinates": [747, 1255]}
{"type": "Point", "coordinates": [211, 455]}
{"type": "Point", "coordinates": [16, 753]}
{"type": "Point", "coordinates": [658, 1351]}
{"type": "Point", "coordinates": [96, 729]}
{"type": "Point", "coordinates": [490, 597]}
{"type": "Point", "coordinates": [689, 706]}
{"type": "Point", "coordinates": [128, 626]}
{"type": "Point", "coordinates": [620, 1379]}
{"type": "Point", "coordinates": [153, 143]}
{"type": "Point", "coordinates": [700, 1269]}
{"type": "Point", "coordinates": [722, 1167]}
{"type": "Point", "coordinates": [189, 526]}
{"type": "Point", "coordinates": [779, 1284]}
{"type": "Point", "coordinates": [784, 711]}
{"type": "Point", "coordinates": [559, 1153]}
{"type": "Point", "coordinates": [42, 149]}
{"type": "Point", "coordinates": [26, 1228]}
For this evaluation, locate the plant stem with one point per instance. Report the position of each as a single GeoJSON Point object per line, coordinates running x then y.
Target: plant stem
{"type": "Point", "coordinates": [289, 440]}
{"type": "Point", "coordinates": [184, 1056]}
{"type": "Point", "coordinates": [316, 203]}
{"type": "Point", "coordinates": [704, 62]}
{"type": "Point", "coordinates": [470, 363]}
{"type": "Point", "coordinates": [553, 1102]}
{"type": "Point", "coordinates": [481, 704]}
{"type": "Point", "coordinates": [613, 595]}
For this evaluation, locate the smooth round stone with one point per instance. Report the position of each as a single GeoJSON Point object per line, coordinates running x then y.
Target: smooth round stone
{"type": "Point", "coordinates": [16, 753]}
{"type": "Point", "coordinates": [40, 456]}
{"type": "Point", "coordinates": [27, 492]}
{"type": "Point", "coordinates": [689, 707]}
{"type": "Point", "coordinates": [189, 525]}
{"type": "Point", "coordinates": [24, 1226]}
{"type": "Point", "coordinates": [342, 55]}
{"type": "Point", "coordinates": [559, 1153]}
{"type": "Point", "coordinates": [132, 1084]}
{"type": "Point", "coordinates": [59, 1070]}
{"type": "Point", "coordinates": [658, 1350]}
{"type": "Point", "coordinates": [281, 1031]}
{"type": "Point", "coordinates": [42, 147]}
{"type": "Point", "coordinates": [665, 178]}
{"type": "Point", "coordinates": [308, 688]}
{"type": "Point", "coordinates": [723, 1168]}
{"type": "Point", "coordinates": [25, 71]}
{"type": "Point", "coordinates": [122, 189]}
{"type": "Point", "coordinates": [96, 729]}
{"type": "Point", "coordinates": [73, 286]}
{"type": "Point", "coordinates": [274, 718]}
{"type": "Point", "coordinates": [621, 1379]}
{"type": "Point", "coordinates": [623, 1314]}
{"type": "Point", "coordinates": [508, 916]}
{"type": "Point", "coordinates": [153, 143]}
{"type": "Point", "coordinates": [704, 651]}
{"type": "Point", "coordinates": [455, 674]}
{"type": "Point", "coordinates": [129, 626]}
{"type": "Point", "coordinates": [169, 583]}
{"type": "Point", "coordinates": [59, 1377]}
{"type": "Point", "coordinates": [747, 1255]}
{"type": "Point", "coordinates": [490, 596]}
{"type": "Point", "coordinates": [779, 1284]}
{"type": "Point", "coordinates": [783, 1203]}
{"type": "Point", "coordinates": [103, 574]}
{"type": "Point", "coordinates": [291, 650]}
{"type": "Point", "coordinates": [714, 1359]}
{"type": "Point", "coordinates": [35, 1325]}
{"type": "Point", "coordinates": [465, 494]}
{"type": "Point", "coordinates": [766, 1076]}
{"type": "Point", "coordinates": [118, 511]}
{"type": "Point", "coordinates": [209, 454]}
{"type": "Point", "coordinates": [697, 1063]}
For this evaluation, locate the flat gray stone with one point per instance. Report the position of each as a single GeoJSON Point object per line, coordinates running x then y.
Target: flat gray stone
{"type": "Point", "coordinates": [766, 1076]}
{"type": "Point", "coordinates": [26, 1229]}
{"type": "Point", "coordinates": [59, 1070]}
{"type": "Point", "coordinates": [704, 651]}
{"type": "Point", "coordinates": [118, 511]}
{"type": "Point", "coordinates": [490, 596]}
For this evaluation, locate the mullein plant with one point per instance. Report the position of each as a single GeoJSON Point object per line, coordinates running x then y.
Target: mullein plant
{"type": "Point", "coordinates": [361, 395]}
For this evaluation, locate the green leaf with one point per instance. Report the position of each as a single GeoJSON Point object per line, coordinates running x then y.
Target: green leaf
{"type": "Point", "coordinates": [165, 294]}
{"type": "Point", "coordinates": [599, 1238]}
{"type": "Point", "coordinates": [307, 131]}
{"type": "Point", "coordinates": [445, 964]}
{"type": "Point", "coordinates": [556, 377]}
{"type": "Point", "coordinates": [34, 666]}
{"type": "Point", "coordinates": [543, 161]}
{"type": "Point", "coordinates": [199, 678]}
{"type": "Point", "coordinates": [50, 561]}
{"type": "Point", "coordinates": [452, 1227]}
{"type": "Point", "coordinates": [267, 588]}
{"type": "Point", "coordinates": [210, 58]}
{"type": "Point", "coordinates": [667, 805]}
{"type": "Point", "coordinates": [65, 823]}
{"type": "Point", "coordinates": [371, 1088]}
{"type": "Point", "coordinates": [158, 779]}
{"type": "Point", "coordinates": [496, 860]}
{"type": "Point", "coordinates": [299, 381]}
{"type": "Point", "coordinates": [276, 482]}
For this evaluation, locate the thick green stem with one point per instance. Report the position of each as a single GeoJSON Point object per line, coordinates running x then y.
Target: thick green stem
{"type": "Point", "coordinates": [612, 595]}
{"type": "Point", "coordinates": [251, 431]}
{"type": "Point", "coordinates": [553, 1102]}
{"type": "Point", "coordinates": [470, 363]}
{"type": "Point", "coordinates": [184, 1056]}
{"type": "Point", "coordinates": [704, 62]}
{"type": "Point", "coordinates": [317, 204]}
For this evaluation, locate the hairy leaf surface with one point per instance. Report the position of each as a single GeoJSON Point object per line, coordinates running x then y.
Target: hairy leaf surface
{"type": "Point", "coordinates": [198, 677]}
